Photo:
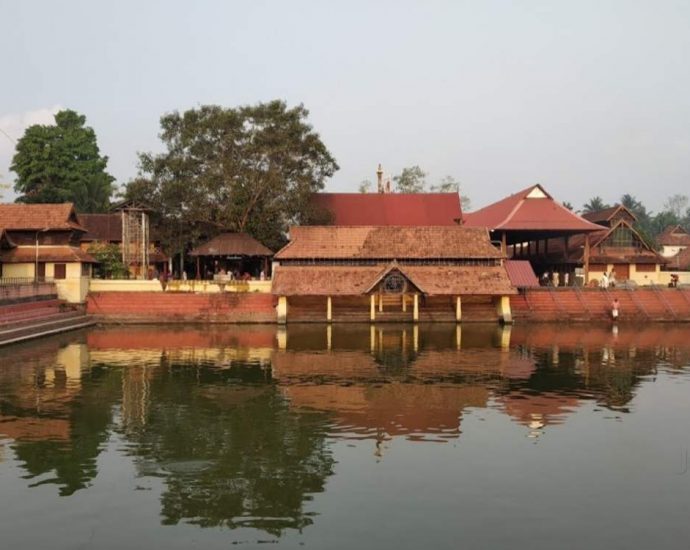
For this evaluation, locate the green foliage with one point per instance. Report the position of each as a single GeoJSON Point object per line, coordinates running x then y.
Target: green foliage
{"type": "Point", "coordinates": [594, 205]}
{"type": "Point", "coordinates": [251, 169]}
{"type": "Point", "coordinates": [109, 257]}
{"type": "Point", "coordinates": [410, 180]}
{"type": "Point", "coordinates": [447, 185]}
{"type": "Point", "coordinates": [62, 163]}
{"type": "Point", "coordinates": [365, 186]}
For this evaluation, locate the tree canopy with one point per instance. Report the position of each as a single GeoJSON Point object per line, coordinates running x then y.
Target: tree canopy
{"type": "Point", "coordinates": [410, 180]}
{"type": "Point", "coordinates": [62, 163]}
{"type": "Point", "coordinates": [250, 168]}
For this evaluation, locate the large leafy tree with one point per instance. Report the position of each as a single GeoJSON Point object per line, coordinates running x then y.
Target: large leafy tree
{"type": "Point", "coordinates": [251, 169]}
{"type": "Point", "coordinates": [62, 163]}
{"type": "Point", "coordinates": [411, 180]}
{"type": "Point", "coordinates": [594, 205]}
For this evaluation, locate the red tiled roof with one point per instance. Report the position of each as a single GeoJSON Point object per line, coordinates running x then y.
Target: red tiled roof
{"type": "Point", "coordinates": [323, 280]}
{"type": "Point", "coordinates": [402, 209]}
{"type": "Point", "coordinates": [232, 244]}
{"type": "Point", "coordinates": [521, 274]}
{"type": "Point", "coordinates": [39, 216]}
{"type": "Point", "coordinates": [674, 236]}
{"type": "Point", "coordinates": [102, 227]}
{"type": "Point", "coordinates": [46, 254]}
{"type": "Point", "coordinates": [525, 213]}
{"type": "Point", "coordinates": [388, 242]}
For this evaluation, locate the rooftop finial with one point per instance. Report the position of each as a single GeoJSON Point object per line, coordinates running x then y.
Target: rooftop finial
{"type": "Point", "coordinates": [379, 178]}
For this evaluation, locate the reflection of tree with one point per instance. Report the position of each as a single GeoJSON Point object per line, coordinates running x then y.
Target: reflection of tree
{"type": "Point", "coordinates": [74, 461]}
{"type": "Point", "coordinates": [233, 455]}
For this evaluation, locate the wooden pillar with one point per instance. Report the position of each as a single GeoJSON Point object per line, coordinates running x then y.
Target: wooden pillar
{"type": "Point", "coordinates": [458, 337]}
{"type": "Point", "coordinates": [458, 309]}
{"type": "Point", "coordinates": [282, 309]}
{"type": "Point", "coordinates": [372, 338]}
{"type": "Point", "coordinates": [415, 307]}
{"type": "Point", "coordinates": [503, 309]}
{"type": "Point", "coordinates": [329, 337]}
{"type": "Point", "coordinates": [546, 247]}
{"type": "Point", "coordinates": [415, 337]}
{"type": "Point", "coordinates": [404, 303]}
{"type": "Point", "coordinates": [198, 268]}
{"type": "Point", "coordinates": [505, 337]}
{"type": "Point", "coordinates": [504, 243]}
{"type": "Point", "coordinates": [372, 308]}
{"type": "Point", "coordinates": [281, 335]}
{"type": "Point", "coordinates": [329, 309]}
{"type": "Point", "coordinates": [380, 303]}
{"type": "Point", "coordinates": [586, 259]}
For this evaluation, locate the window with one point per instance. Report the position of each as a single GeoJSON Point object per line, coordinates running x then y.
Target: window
{"type": "Point", "coordinates": [60, 271]}
{"type": "Point", "coordinates": [621, 237]}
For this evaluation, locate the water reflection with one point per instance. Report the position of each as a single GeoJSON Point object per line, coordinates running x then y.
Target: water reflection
{"type": "Point", "coordinates": [239, 423]}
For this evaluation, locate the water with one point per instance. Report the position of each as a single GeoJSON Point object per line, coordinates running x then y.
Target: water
{"type": "Point", "coordinates": [351, 437]}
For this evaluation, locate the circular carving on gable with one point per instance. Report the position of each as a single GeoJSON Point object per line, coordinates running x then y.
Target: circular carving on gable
{"type": "Point", "coordinates": [394, 283]}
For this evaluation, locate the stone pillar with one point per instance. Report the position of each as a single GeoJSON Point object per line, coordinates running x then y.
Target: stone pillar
{"type": "Point", "coordinates": [415, 307]}
{"type": "Point", "coordinates": [282, 309]}
{"type": "Point", "coordinates": [404, 303]}
{"type": "Point", "coordinates": [329, 309]}
{"type": "Point", "coordinates": [458, 309]}
{"type": "Point", "coordinates": [372, 309]}
{"type": "Point", "coordinates": [503, 309]}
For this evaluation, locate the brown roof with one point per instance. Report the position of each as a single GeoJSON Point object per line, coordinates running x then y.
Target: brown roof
{"type": "Point", "coordinates": [39, 216]}
{"type": "Point", "coordinates": [388, 243]}
{"type": "Point", "coordinates": [232, 244]}
{"type": "Point", "coordinates": [5, 241]}
{"type": "Point", "coordinates": [407, 209]}
{"type": "Point", "coordinates": [531, 209]}
{"type": "Point", "coordinates": [675, 235]}
{"type": "Point", "coordinates": [102, 227]}
{"type": "Point", "coordinates": [607, 214]}
{"type": "Point", "coordinates": [24, 254]}
{"type": "Point", "coordinates": [321, 280]}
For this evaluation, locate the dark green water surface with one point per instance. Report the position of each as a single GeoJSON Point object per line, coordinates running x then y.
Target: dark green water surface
{"type": "Point", "coordinates": [347, 437]}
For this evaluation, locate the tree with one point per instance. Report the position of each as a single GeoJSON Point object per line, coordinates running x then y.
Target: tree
{"type": "Point", "coordinates": [448, 184]}
{"type": "Point", "coordinates": [677, 205]}
{"type": "Point", "coordinates": [62, 163]}
{"type": "Point", "coordinates": [3, 187]}
{"type": "Point", "coordinates": [249, 169]}
{"type": "Point", "coordinates": [364, 186]}
{"type": "Point", "coordinates": [410, 180]}
{"type": "Point", "coordinates": [109, 257]}
{"type": "Point", "coordinates": [594, 205]}
{"type": "Point", "coordinates": [569, 205]}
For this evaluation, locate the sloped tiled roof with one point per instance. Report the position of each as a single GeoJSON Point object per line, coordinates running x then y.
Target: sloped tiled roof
{"type": "Point", "coordinates": [46, 254]}
{"type": "Point", "coordinates": [531, 209]}
{"type": "Point", "coordinates": [32, 217]}
{"type": "Point", "coordinates": [402, 209]}
{"type": "Point", "coordinates": [389, 242]}
{"type": "Point", "coordinates": [102, 227]}
{"type": "Point", "coordinates": [680, 261]}
{"type": "Point", "coordinates": [521, 274]}
{"type": "Point", "coordinates": [232, 244]}
{"type": "Point", "coordinates": [675, 235]}
{"type": "Point", "coordinates": [607, 214]}
{"type": "Point", "coordinates": [325, 280]}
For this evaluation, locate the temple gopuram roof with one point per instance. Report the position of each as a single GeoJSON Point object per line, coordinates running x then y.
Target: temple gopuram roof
{"type": "Point", "coordinates": [401, 209]}
{"type": "Point", "coordinates": [34, 217]}
{"type": "Point", "coordinates": [529, 212]}
{"type": "Point", "coordinates": [388, 243]}
{"type": "Point", "coordinates": [232, 244]}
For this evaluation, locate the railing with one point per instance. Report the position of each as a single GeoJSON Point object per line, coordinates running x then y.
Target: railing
{"type": "Point", "coordinates": [20, 281]}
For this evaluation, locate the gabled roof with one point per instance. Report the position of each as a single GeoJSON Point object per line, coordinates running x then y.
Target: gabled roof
{"type": "Point", "coordinates": [339, 280]}
{"type": "Point", "coordinates": [232, 244]}
{"type": "Point", "coordinates": [604, 217]}
{"type": "Point", "coordinates": [600, 253]}
{"type": "Point", "coordinates": [401, 209]}
{"type": "Point", "coordinates": [388, 243]}
{"type": "Point", "coordinates": [102, 227]}
{"type": "Point", "coordinates": [674, 235]}
{"type": "Point", "coordinates": [34, 217]}
{"type": "Point", "coordinates": [5, 241]}
{"type": "Point", "coordinates": [531, 209]}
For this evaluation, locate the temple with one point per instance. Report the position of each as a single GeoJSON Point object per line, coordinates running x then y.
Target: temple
{"type": "Point", "coordinates": [391, 273]}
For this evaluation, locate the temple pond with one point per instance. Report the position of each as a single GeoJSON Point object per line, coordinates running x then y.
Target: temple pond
{"type": "Point", "coordinates": [390, 436]}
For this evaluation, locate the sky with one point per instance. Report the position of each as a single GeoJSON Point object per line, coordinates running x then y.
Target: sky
{"type": "Point", "coordinates": [586, 97]}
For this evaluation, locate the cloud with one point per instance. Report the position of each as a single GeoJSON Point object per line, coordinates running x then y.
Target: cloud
{"type": "Point", "coordinates": [12, 126]}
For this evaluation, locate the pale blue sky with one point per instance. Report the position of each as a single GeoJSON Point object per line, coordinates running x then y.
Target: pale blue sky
{"type": "Point", "coordinates": [586, 96]}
